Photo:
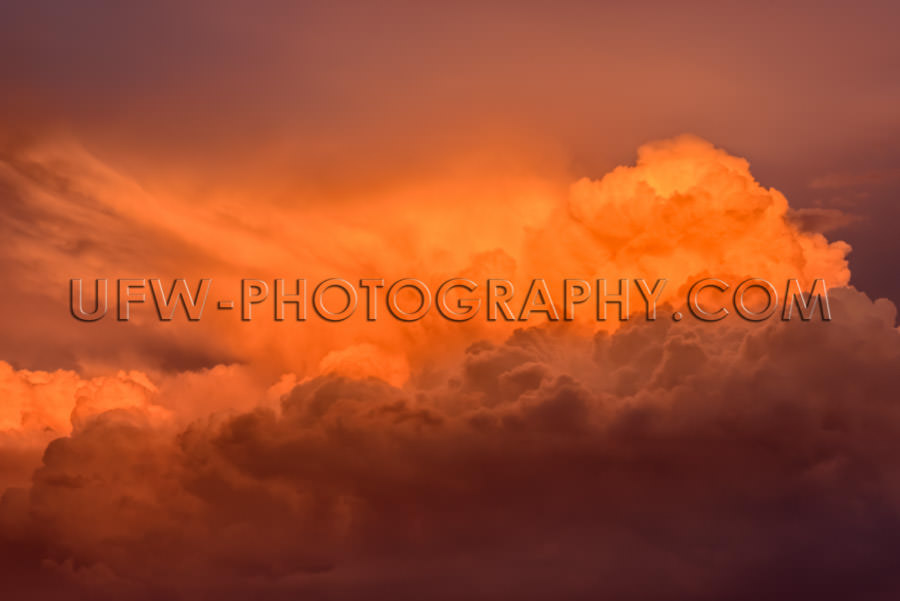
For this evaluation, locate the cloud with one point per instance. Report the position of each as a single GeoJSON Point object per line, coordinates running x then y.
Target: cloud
{"type": "Point", "coordinates": [836, 181]}
{"type": "Point", "coordinates": [684, 211]}
{"type": "Point", "coordinates": [709, 457]}
{"type": "Point", "coordinates": [676, 460]}
{"type": "Point", "coordinates": [444, 461]}
{"type": "Point", "coordinates": [821, 220]}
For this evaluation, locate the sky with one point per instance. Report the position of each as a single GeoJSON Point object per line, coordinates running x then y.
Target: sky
{"type": "Point", "coordinates": [664, 459]}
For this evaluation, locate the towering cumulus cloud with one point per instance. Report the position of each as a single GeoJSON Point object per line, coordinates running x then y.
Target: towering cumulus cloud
{"type": "Point", "coordinates": [686, 209]}
{"type": "Point", "coordinates": [655, 460]}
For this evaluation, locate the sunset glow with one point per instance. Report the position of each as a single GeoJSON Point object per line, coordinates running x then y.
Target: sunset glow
{"type": "Point", "coordinates": [398, 301]}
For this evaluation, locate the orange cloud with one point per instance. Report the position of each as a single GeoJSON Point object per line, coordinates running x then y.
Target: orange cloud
{"type": "Point", "coordinates": [383, 460]}
{"type": "Point", "coordinates": [686, 210]}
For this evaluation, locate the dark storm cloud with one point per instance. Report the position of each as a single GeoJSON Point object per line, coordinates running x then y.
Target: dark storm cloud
{"type": "Point", "coordinates": [683, 462]}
